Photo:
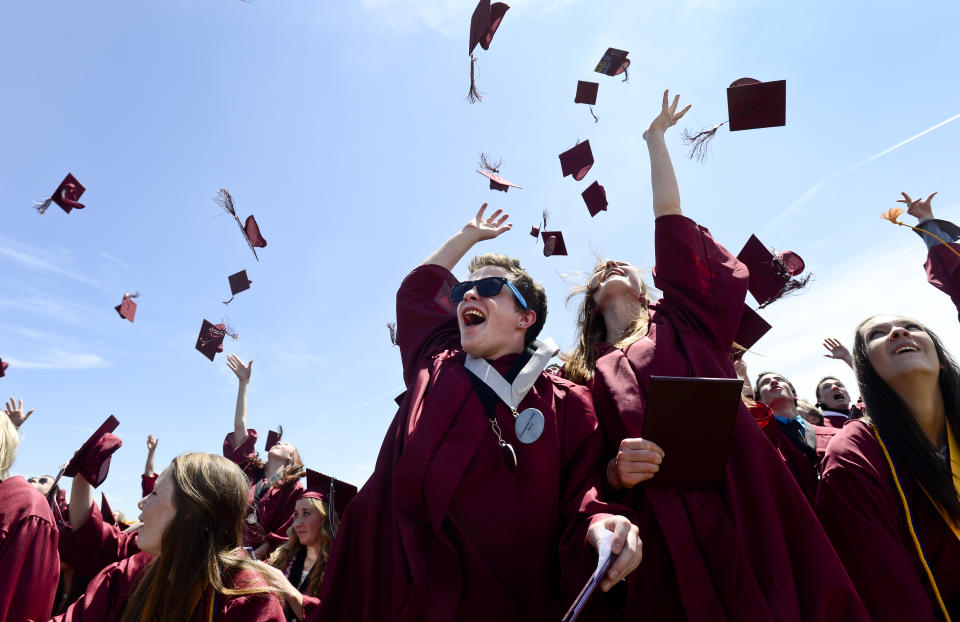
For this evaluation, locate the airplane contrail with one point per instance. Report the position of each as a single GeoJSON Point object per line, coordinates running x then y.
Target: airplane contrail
{"type": "Point", "coordinates": [812, 191]}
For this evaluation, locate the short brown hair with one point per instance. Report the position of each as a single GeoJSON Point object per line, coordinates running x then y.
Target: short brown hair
{"type": "Point", "coordinates": [533, 292]}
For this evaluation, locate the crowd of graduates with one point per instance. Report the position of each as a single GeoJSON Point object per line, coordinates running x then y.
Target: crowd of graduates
{"type": "Point", "coordinates": [501, 478]}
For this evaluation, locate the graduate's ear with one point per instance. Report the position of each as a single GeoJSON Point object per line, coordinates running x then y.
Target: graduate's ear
{"type": "Point", "coordinates": [527, 318]}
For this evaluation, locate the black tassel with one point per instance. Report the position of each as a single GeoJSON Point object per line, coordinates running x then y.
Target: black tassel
{"type": "Point", "coordinates": [595, 119]}
{"type": "Point", "coordinates": [487, 164]}
{"type": "Point", "coordinates": [392, 327]}
{"type": "Point", "coordinates": [42, 207]}
{"type": "Point", "coordinates": [473, 96]}
{"type": "Point", "coordinates": [699, 143]}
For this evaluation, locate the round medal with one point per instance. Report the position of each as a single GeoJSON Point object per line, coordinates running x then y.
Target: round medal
{"type": "Point", "coordinates": [252, 517]}
{"type": "Point", "coordinates": [529, 425]}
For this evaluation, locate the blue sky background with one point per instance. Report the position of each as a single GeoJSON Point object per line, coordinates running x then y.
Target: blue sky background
{"type": "Point", "coordinates": [342, 126]}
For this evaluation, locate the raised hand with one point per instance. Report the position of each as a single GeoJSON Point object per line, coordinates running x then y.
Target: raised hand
{"type": "Point", "coordinates": [14, 410]}
{"type": "Point", "coordinates": [668, 115]}
{"type": "Point", "coordinates": [917, 208]}
{"type": "Point", "coordinates": [152, 442]}
{"type": "Point", "coordinates": [837, 351]}
{"type": "Point", "coordinates": [242, 372]}
{"type": "Point", "coordinates": [488, 228]}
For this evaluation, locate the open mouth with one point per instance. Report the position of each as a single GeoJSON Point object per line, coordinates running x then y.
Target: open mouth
{"type": "Point", "coordinates": [906, 348]}
{"type": "Point", "coordinates": [838, 395]}
{"type": "Point", "coordinates": [472, 317]}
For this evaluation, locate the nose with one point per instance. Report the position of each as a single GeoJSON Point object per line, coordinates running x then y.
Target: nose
{"type": "Point", "coordinates": [472, 294]}
{"type": "Point", "coordinates": [897, 332]}
{"type": "Point", "coordinates": [140, 503]}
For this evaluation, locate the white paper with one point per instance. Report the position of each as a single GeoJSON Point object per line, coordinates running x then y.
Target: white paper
{"type": "Point", "coordinates": [603, 549]}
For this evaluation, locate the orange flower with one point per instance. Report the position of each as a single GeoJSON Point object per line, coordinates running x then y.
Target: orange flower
{"type": "Point", "coordinates": [892, 215]}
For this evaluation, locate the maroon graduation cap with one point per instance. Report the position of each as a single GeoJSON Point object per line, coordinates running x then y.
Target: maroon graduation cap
{"type": "Point", "coordinates": [334, 493]}
{"type": "Point", "coordinates": [484, 22]}
{"type": "Point", "coordinates": [751, 105]}
{"type": "Point", "coordinates": [752, 328]}
{"type": "Point", "coordinates": [577, 160]}
{"type": "Point", "coordinates": [67, 195]}
{"type": "Point", "coordinates": [587, 94]}
{"type": "Point", "coordinates": [596, 198]}
{"type": "Point", "coordinates": [772, 274]}
{"type": "Point", "coordinates": [238, 283]}
{"type": "Point", "coordinates": [106, 511]}
{"type": "Point", "coordinates": [250, 229]}
{"type": "Point", "coordinates": [553, 243]}
{"type": "Point", "coordinates": [273, 437]}
{"type": "Point", "coordinates": [210, 340]}
{"type": "Point", "coordinates": [3, 368]}
{"type": "Point", "coordinates": [613, 63]}
{"type": "Point", "coordinates": [490, 169]}
{"type": "Point", "coordinates": [92, 460]}
{"type": "Point", "coordinates": [127, 307]}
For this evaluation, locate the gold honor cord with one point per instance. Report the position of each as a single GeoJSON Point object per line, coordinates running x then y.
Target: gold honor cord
{"type": "Point", "coordinates": [910, 528]}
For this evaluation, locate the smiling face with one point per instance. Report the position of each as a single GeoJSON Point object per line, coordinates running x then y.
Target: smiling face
{"type": "Point", "coordinates": [899, 349]}
{"type": "Point", "coordinates": [309, 521]}
{"type": "Point", "coordinates": [612, 279]}
{"type": "Point", "coordinates": [775, 391]}
{"type": "Point", "coordinates": [833, 395]}
{"type": "Point", "coordinates": [156, 512]}
{"type": "Point", "coordinates": [492, 327]}
{"type": "Point", "coordinates": [282, 451]}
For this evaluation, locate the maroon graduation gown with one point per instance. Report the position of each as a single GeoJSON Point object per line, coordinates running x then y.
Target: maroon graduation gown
{"type": "Point", "coordinates": [750, 549]}
{"type": "Point", "coordinates": [442, 530]}
{"type": "Point", "coordinates": [29, 564]}
{"type": "Point", "coordinates": [943, 271]}
{"type": "Point", "coordinates": [147, 482]}
{"type": "Point", "coordinates": [96, 545]}
{"type": "Point", "coordinates": [276, 506]}
{"type": "Point", "coordinates": [108, 592]}
{"type": "Point", "coordinates": [860, 508]}
{"type": "Point", "coordinates": [834, 420]}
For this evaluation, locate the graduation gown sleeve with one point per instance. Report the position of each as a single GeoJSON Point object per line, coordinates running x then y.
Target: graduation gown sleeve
{"type": "Point", "coordinates": [943, 271]}
{"type": "Point", "coordinates": [425, 315]}
{"type": "Point", "coordinates": [29, 563]}
{"type": "Point", "coordinates": [96, 544]}
{"type": "Point", "coordinates": [147, 482]}
{"type": "Point", "coordinates": [243, 454]}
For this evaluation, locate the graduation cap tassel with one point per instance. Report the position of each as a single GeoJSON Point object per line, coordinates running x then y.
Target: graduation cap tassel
{"type": "Point", "coordinates": [791, 286]}
{"type": "Point", "coordinates": [488, 165]}
{"type": "Point", "coordinates": [473, 96]}
{"type": "Point", "coordinates": [593, 114]}
{"type": "Point", "coordinates": [392, 327]}
{"type": "Point", "coordinates": [699, 143]}
{"type": "Point", "coordinates": [626, 75]}
{"type": "Point", "coordinates": [42, 205]}
{"type": "Point", "coordinates": [893, 215]}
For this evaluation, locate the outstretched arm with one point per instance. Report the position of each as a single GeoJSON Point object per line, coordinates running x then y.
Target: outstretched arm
{"type": "Point", "coordinates": [666, 192]}
{"type": "Point", "coordinates": [476, 230]}
{"type": "Point", "coordinates": [81, 501]}
{"type": "Point", "coordinates": [837, 351]}
{"type": "Point", "coordinates": [151, 450]}
{"type": "Point", "coordinates": [240, 416]}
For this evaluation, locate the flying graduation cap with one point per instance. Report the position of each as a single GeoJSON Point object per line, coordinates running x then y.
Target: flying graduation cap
{"type": "Point", "coordinates": [334, 494]}
{"type": "Point", "coordinates": [238, 283]}
{"type": "Point", "coordinates": [553, 243]}
{"type": "Point", "coordinates": [489, 169]}
{"type": "Point", "coordinates": [613, 63]}
{"type": "Point", "coordinates": [92, 460]}
{"type": "Point", "coordinates": [250, 229]}
{"type": "Point", "coordinates": [3, 368]}
{"type": "Point", "coordinates": [483, 25]}
{"type": "Point", "coordinates": [587, 94]}
{"type": "Point", "coordinates": [596, 198]}
{"type": "Point", "coordinates": [773, 274]}
{"type": "Point", "coordinates": [210, 340]}
{"type": "Point", "coordinates": [273, 437]}
{"type": "Point", "coordinates": [67, 196]}
{"type": "Point", "coordinates": [751, 105]}
{"type": "Point", "coordinates": [127, 308]}
{"type": "Point", "coordinates": [577, 161]}
{"type": "Point", "coordinates": [752, 327]}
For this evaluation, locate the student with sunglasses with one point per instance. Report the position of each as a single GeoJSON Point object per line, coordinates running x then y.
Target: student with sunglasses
{"type": "Point", "coordinates": [478, 509]}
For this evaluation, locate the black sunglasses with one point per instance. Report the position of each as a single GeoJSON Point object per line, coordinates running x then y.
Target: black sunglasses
{"type": "Point", "coordinates": [487, 288]}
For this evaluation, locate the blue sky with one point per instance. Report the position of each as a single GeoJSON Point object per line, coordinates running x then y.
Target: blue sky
{"type": "Point", "coordinates": [343, 128]}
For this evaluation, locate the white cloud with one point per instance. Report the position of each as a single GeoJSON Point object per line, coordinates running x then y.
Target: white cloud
{"type": "Point", "coordinates": [58, 359]}
{"type": "Point", "coordinates": [445, 16]}
{"type": "Point", "coordinates": [36, 259]}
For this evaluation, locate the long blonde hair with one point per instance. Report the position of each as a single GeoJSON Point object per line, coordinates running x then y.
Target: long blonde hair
{"type": "Point", "coordinates": [580, 364]}
{"type": "Point", "coordinates": [199, 545]}
{"type": "Point", "coordinates": [9, 441]}
{"type": "Point", "coordinates": [281, 557]}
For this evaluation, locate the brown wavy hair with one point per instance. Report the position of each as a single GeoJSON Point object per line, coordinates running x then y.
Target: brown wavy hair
{"type": "Point", "coordinates": [533, 292]}
{"type": "Point", "coordinates": [290, 473]}
{"type": "Point", "coordinates": [281, 557]}
{"type": "Point", "coordinates": [580, 364]}
{"type": "Point", "coordinates": [199, 546]}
